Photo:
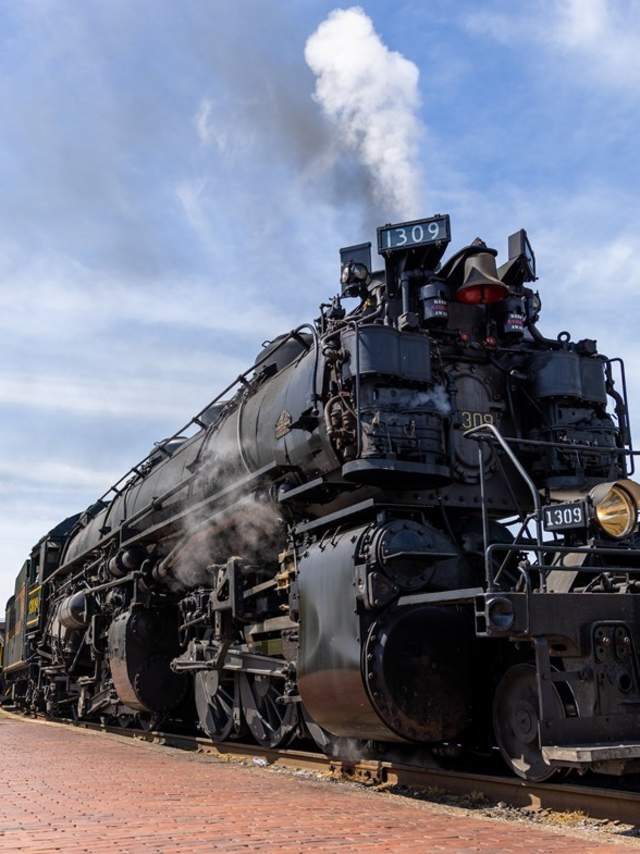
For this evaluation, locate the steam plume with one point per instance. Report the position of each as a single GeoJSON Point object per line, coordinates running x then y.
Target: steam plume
{"type": "Point", "coordinates": [250, 528]}
{"type": "Point", "coordinates": [370, 94]}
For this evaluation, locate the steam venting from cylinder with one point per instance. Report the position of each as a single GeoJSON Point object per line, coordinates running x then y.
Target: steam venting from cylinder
{"type": "Point", "coordinates": [370, 95]}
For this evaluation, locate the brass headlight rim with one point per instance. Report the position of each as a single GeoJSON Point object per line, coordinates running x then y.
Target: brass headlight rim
{"type": "Point", "coordinates": [630, 491]}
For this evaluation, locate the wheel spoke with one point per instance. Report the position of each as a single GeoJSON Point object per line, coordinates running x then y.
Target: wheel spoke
{"type": "Point", "coordinates": [270, 724]}
{"type": "Point", "coordinates": [215, 701]}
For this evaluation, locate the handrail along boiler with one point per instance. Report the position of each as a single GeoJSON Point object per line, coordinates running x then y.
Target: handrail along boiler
{"type": "Point", "coordinates": [413, 522]}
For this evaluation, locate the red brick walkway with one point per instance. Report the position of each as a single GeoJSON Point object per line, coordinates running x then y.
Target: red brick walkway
{"type": "Point", "coordinates": [71, 791]}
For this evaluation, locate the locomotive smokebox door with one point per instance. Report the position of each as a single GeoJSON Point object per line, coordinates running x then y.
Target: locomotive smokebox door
{"type": "Point", "coordinates": [142, 643]}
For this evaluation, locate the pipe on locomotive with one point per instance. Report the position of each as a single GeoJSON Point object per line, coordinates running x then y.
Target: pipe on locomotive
{"type": "Point", "coordinates": [473, 433]}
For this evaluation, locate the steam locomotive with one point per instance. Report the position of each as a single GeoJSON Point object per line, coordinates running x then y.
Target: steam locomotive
{"type": "Point", "coordinates": [411, 522]}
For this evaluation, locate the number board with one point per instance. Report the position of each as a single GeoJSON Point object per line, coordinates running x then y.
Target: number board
{"type": "Point", "coordinates": [559, 517]}
{"type": "Point", "coordinates": [475, 419]}
{"type": "Point", "coordinates": [33, 606]}
{"type": "Point", "coordinates": [420, 232]}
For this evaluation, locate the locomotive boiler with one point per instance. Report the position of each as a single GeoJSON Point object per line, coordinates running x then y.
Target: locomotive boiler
{"type": "Point", "coordinates": [410, 522]}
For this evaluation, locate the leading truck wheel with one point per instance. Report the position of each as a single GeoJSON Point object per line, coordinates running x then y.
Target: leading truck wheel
{"type": "Point", "coordinates": [515, 723]}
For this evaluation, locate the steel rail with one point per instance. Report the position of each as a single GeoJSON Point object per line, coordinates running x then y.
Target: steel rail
{"type": "Point", "coordinates": [594, 801]}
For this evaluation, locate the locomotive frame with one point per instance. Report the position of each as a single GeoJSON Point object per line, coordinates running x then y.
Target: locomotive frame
{"type": "Point", "coordinates": [343, 548]}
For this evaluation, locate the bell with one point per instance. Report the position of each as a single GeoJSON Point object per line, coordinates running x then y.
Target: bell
{"type": "Point", "coordinates": [480, 284]}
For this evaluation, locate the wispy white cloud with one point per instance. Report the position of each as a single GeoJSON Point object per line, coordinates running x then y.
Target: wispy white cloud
{"type": "Point", "coordinates": [143, 398]}
{"type": "Point", "coordinates": [84, 341]}
{"type": "Point", "coordinates": [604, 35]}
{"type": "Point", "coordinates": [599, 38]}
{"type": "Point", "coordinates": [20, 530]}
{"type": "Point", "coordinates": [223, 127]}
{"type": "Point", "coordinates": [192, 195]}
{"type": "Point", "coordinates": [50, 293]}
{"type": "Point", "coordinates": [202, 121]}
{"type": "Point", "coordinates": [34, 473]}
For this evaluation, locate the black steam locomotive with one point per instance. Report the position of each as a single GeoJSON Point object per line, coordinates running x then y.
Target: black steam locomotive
{"type": "Point", "coordinates": [409, 523]}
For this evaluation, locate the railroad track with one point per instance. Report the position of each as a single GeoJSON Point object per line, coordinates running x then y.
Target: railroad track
{"type": "Point", "coordinates": [594, 801]}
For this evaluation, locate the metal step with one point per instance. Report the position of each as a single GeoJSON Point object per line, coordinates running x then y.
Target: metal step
{"type": "Point", "coordinates": [590, 752]}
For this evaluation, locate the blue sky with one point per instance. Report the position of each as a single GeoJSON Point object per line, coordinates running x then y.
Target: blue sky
{"type": "Point", "coordinates": [173, 195]}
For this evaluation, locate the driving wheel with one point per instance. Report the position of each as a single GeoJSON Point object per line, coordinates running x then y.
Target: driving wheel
{"type": "Point", "coordinates": [271, 722]}
{"type": "Point", "coordinates": [217, 703]}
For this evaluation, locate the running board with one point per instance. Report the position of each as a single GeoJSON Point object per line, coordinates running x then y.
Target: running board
{"type": "Point", "coordinates": [444, 597]}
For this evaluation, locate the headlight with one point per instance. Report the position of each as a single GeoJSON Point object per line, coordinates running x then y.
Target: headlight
{"type": "Point", "coordinates": [616, 507]}
{"type": "Point", "coordinates": [500, 613]}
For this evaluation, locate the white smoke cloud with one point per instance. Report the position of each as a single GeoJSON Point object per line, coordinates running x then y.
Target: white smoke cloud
{"type": "Point", "coordinates": [370, 94]}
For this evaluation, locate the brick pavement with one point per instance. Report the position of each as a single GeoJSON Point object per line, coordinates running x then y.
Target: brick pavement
{"type": "Point", "coordinates": [78, 791]}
